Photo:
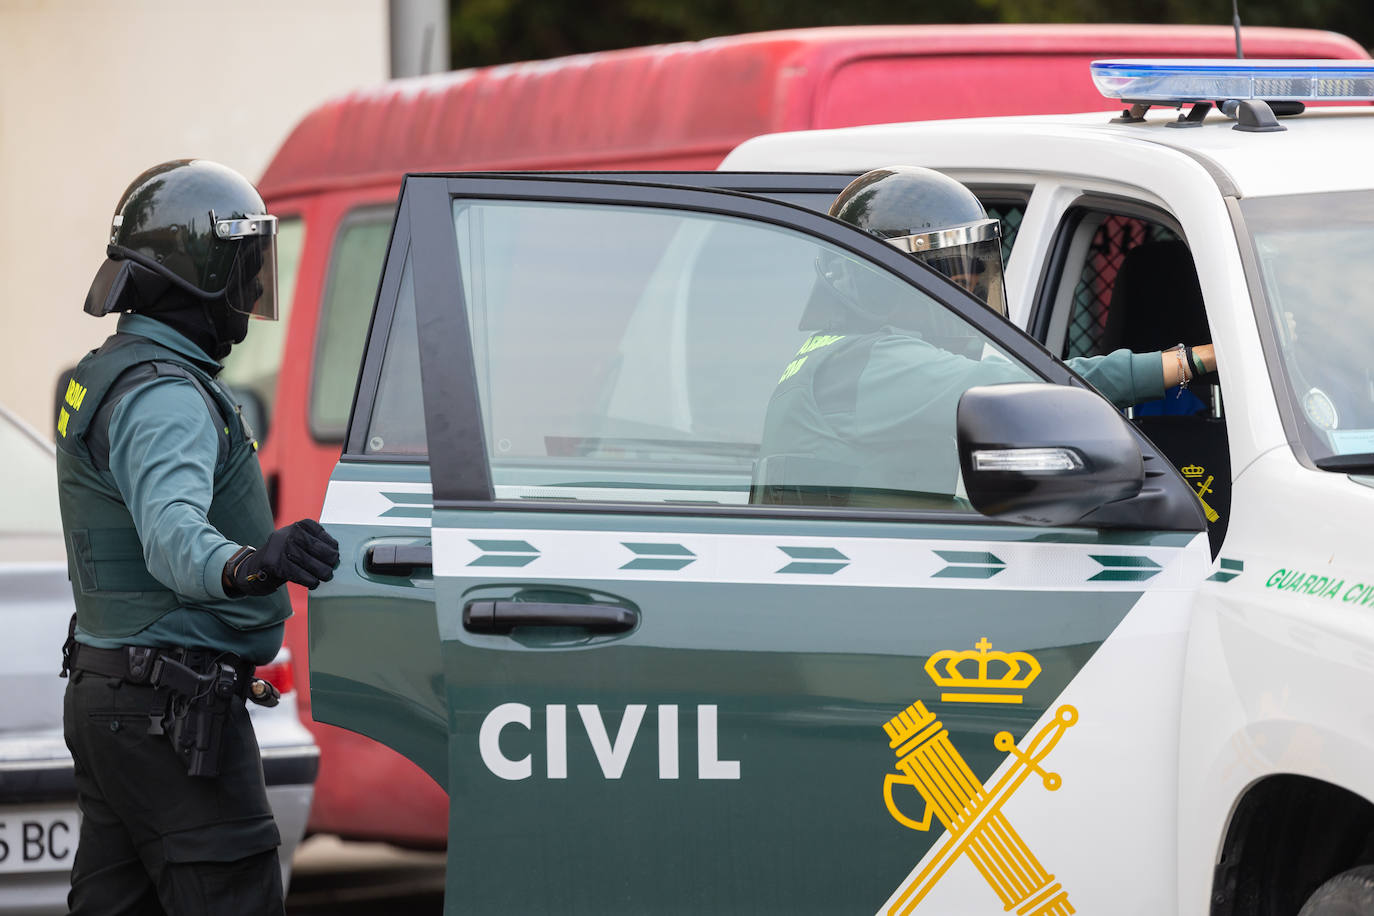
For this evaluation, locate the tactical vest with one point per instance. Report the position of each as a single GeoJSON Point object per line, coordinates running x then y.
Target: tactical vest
{"type": "Point", "coordinates": [116, 595]}
{"type": "Point", "coordinates": [815, 451]}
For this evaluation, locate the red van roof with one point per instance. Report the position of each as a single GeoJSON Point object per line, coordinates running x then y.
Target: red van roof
{"type": "Point", "coordinates": [686, 105]}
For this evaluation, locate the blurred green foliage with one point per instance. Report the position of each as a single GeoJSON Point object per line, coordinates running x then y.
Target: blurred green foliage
{"type": "Point", "coordinates": [498, 31]}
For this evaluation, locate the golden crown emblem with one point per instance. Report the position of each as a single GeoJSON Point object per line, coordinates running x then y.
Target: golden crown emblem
{"type": "Point", "coordinates": [994, 675]}
{"type": "Point", "coordinates": [1193, 470]}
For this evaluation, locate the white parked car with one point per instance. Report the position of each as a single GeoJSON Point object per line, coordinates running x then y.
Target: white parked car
{"type": "Point", "coordinates": [39, 820]}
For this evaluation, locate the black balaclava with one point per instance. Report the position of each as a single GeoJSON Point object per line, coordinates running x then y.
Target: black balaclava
{"type": "Point", "coordinates": [208, 323]}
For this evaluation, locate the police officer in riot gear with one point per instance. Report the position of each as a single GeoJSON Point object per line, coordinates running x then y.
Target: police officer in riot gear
{"type": "Point", "coordinates": [176, 570]}
{"type": "Point", "coordinates": [864, 414]}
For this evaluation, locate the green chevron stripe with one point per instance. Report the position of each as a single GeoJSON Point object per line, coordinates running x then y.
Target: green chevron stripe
{"type": "Point", "coordinates": [660, 550]}
{"type": "Point", "coordinates": [496, 559]}
{"type": "Point", "coordinates": [969, 564]}
{"type": "Point", "coordinates": [969, 556]}
{"type": "Point", "coordinates": [504, 553]}
{"type": "Point", "coordinates": [819, 569]}
{"type": "Point", "coordinates": [1230, 569]}
{"type": "Point", "coordinates": [650, 563]}
{"type": "Point", "coordinates": [410, 499]}
{"type": "Point", "coordinates": [814, 554]}
{"type": "Point", "coordinates": [968, 572]}
{"type": "Point", "coordinates": [407, 512]}
{"type": "Point", "coordinates": [1125, 569]}
{"type": "Point", "coordinates": [505, 546]}
{"type": "Point", "coordinates": [659, 556]}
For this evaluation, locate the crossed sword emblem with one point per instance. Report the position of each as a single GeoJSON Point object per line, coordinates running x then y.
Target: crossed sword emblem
{"type": "Point", "coordinates": [971, 814]}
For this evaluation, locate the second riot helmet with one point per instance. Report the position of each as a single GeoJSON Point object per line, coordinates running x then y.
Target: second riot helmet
{"type": "Point", "coordinates": [933, 218]}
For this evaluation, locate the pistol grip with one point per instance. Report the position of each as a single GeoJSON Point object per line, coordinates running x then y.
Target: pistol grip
{"type": "Point", "coordinates": [889, 781]}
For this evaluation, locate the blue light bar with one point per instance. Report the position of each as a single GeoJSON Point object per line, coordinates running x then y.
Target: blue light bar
{"type": "Point", "coordinates": [1164, 80]}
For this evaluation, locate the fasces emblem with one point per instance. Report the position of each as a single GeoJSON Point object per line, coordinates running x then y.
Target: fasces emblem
{"type": "Point", "coordinates": [1195, 473]}
{"type": "Point", "coordinates": [971, 813]}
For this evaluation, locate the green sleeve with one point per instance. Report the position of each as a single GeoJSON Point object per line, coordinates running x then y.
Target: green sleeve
{"type": "Point", "coordinates": [1123, 377]}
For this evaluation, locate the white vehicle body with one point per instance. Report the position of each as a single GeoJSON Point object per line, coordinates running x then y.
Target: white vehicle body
{"type": "Point", "coordinates": [39, 818]}
{"type": "Point", "coordinates": [1277, 733]}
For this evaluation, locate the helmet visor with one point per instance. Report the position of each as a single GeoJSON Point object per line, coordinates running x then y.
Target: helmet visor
{"type": "Point", "coordinates": [970, 255]}
{"type": "Point", "coordinates": [252, 286]}
{"type": "Point", "coordinates": [976, 267]}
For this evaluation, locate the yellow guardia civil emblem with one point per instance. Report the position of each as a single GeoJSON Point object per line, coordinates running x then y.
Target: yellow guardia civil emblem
{"type": "Point", "coordinates": [1194, 472]}
{"type": "Point", "coordinates": [970, 812]}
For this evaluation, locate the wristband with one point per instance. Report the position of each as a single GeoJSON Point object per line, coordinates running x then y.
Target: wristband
{"type": "Point", "coordinates": [1199, 367]}
{"type": "Point", "coordinates": [231, 568]}
{"type": "Point", "coordinates": [1179, 352]}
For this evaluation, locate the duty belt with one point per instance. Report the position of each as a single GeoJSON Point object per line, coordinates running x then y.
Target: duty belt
{"type": "Point", "coordinates": [134, 664]}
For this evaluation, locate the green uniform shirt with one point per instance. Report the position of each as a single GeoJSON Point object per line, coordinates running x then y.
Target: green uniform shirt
{"type": "Point", "coordinates": [163, 452]}
{"type": "Point", "coordinates": [875, 414]}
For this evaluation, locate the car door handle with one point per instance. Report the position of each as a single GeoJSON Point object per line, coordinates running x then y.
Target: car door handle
{"type": "Point", "coordinates": [491, 616]}
{"type": "Point", "coordinates": [398, 559]}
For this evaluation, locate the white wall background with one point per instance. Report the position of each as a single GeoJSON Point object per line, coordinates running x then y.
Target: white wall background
{"type": "Point", "coordinates": [92, 92]}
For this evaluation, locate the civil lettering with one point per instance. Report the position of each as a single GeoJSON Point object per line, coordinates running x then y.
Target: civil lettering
{"type": "Point", "coordinates": [667, 742]}
{"type": "Point", "coordinates": [489, 741]}
{"type": "Point", "coordinates": [611, 757]}
{"type": "Point", "coordinates": [612, 753]}
{"type": "Point", "coordinates": [709, 764]}
{"type": "Point", "coordinates": [556, 740]}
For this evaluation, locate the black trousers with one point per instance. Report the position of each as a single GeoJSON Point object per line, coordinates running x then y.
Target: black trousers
{"type": "Point", "coordinates": [155, 840]}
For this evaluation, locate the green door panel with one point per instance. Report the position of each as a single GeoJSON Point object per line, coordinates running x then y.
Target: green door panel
{"type": "Point", "coordinates": [374, 658]}
{"type": "Point", "coordinates": [789, 686]}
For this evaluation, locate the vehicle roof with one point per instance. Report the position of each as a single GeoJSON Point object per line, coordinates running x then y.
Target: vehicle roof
{"type": "Point", "coordinates": [684, 106]}
{"type": "Point", "coordinates": [1323, 149]}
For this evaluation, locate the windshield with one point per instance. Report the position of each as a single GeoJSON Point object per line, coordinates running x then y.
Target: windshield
{"type": "Point", "coordinates": [1315, 254]}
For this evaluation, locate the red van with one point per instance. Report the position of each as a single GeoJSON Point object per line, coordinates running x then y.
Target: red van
{"type": "Point", "coordinates": [334, 181]}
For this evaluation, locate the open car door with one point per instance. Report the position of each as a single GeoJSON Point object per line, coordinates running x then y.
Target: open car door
{"type": "Point", "coordinates": [648, 689]}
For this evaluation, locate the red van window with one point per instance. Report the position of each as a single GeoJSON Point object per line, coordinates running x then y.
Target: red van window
{"type": "Point", "coordinates": [355, 264]}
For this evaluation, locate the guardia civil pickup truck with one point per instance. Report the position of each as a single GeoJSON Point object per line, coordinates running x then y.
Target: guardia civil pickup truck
{"type": "Point", "coordinates": [1126, 664]}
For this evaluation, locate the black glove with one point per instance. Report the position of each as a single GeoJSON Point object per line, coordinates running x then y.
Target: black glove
{"type": "Point", "coordinates": [302, 552]}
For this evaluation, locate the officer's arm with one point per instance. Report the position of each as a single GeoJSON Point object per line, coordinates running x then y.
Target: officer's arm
{"type": "Point", "coordinates": [163, 450]}
{"type": "Point", "coordinates": [1123, 377]}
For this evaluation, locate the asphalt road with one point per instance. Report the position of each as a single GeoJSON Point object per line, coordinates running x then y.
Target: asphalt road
{"type": "Point", "coordinates": [353, 879]}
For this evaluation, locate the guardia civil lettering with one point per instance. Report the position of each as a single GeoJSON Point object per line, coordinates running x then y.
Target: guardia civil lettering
{"type": "Point", "coordinates": [1295, 580]}
{"type": "Point", "coordinates": [612, 752]}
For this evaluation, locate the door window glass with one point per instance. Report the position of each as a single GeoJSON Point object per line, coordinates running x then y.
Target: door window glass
{"type": "Point", "coordinates": [647, 355]}
{"type": "Point", "coordinates": [255, 364]}
{"type": "Point", "coordinates": [355, 264]}
{"type": "Point", "coordinates": [397, 424]}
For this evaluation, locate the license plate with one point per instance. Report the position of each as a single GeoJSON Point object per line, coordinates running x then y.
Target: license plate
{"type": "Point", "coordinates": [37, 839]}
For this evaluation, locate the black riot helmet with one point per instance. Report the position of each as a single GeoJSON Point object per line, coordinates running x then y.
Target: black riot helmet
{"type": "Point", "coordinates": [198, 231]}
{"type": "Point", "coordinates": [933, 218]}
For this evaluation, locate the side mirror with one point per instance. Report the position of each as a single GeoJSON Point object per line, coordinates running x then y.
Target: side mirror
{"type": "Point", "coordinates": [1041, 454]}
